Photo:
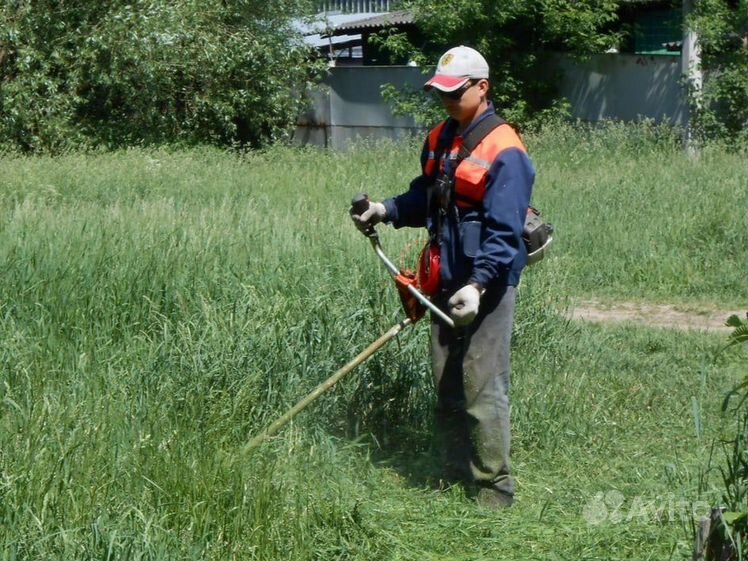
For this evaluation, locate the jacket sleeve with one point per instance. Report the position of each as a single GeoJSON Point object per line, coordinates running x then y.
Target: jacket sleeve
{"type": "Point", "coordinates": [409, 209]}
{"type": "Point", "coordinates": [508, 194]}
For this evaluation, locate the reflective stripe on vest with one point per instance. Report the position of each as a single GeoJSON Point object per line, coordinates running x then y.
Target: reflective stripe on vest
{"type": "Point", "coordinates": [470, 176]}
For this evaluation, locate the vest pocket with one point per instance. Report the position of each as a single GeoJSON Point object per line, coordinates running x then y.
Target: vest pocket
{"type": "Point", "coordinates": [470, 234]}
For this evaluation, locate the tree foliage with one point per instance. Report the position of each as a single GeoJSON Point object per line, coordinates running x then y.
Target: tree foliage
{"type": "Point", "coordinates": [516, 37]}
{"type": "Point", "coordinates": [118, 73]}
{"type": "Point", "coordinates": [720, 106]}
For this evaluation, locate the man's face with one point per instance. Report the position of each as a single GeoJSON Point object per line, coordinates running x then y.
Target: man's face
{"type": "Point", "coordinates": [463, 103]}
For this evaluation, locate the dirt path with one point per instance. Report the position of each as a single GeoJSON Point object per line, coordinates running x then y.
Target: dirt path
{"type": "Point", "coordinates": [656, 315]}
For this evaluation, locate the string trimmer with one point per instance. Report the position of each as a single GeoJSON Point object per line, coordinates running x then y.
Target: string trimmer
{"type": "Point", "coordinates": [414, 304]}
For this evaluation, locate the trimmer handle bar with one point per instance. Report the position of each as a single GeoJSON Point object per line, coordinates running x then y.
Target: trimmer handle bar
{"type": "Point", "coordinates": [359, 205]}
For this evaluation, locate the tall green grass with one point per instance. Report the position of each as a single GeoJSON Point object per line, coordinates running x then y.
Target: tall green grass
{"type": "Point", "coordinates": [639, 219]}
{"type": "Point", "coordinates": [158, 308]}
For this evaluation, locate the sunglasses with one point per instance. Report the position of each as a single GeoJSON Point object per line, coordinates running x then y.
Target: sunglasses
{"type": "Point", "coordinates": [457, 94]}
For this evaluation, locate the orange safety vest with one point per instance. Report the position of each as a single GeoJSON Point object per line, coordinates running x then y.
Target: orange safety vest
{"type": "Point", "coordinates": [470, 175]}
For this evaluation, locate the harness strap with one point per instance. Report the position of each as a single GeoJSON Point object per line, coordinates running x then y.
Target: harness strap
{"type": "Point", "coordinates": [446, 200]}
{"type": "Point", "coordinates": [476, 136]}
{"type": "Point", "coordinates": [443, 142]}
{"type": "Point", "coordinates": [469, 143]}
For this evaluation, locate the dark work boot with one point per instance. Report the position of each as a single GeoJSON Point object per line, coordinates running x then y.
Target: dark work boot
{"type": "Point", "coordinates": [493, 499]}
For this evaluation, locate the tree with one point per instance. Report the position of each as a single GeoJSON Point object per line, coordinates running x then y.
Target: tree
{"type": "Point", "coordinates": [720, 106]}
{"type": "Point", "coordinates": [119, 73]}
{"type": "Point", "coordinates": [515, 36]}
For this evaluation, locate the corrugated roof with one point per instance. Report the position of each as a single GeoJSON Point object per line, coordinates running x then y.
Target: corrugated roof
{"type": "Point", "coordinates": [400, 17]}
{"type": "Point", "coordinates": [318, 41]}
{"type": "Point", "coordinates": [324, 22]}
{"type": "Point", "coordinates": [320, 31]}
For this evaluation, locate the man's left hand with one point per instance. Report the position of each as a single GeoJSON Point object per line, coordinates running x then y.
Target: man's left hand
{"type": "Point", "coordinates": [463, 306]}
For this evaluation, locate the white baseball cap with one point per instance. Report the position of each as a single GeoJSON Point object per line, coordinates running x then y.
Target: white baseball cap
{"type": "Point", "coordinates": [457, 66]}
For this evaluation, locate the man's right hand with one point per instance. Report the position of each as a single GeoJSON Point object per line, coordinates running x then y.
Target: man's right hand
{"type": "Point", "coordinates": [375, 214]}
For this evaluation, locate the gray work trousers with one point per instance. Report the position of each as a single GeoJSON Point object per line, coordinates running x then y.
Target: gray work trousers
{"type": "Point", "coordinates": [471, 367]}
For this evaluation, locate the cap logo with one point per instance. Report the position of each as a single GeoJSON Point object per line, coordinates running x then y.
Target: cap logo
{"type": "Point", "coordinates": [446, 59]}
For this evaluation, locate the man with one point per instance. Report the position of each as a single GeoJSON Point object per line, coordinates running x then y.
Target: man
{"type": "Point", "coordinates": [474, 205]}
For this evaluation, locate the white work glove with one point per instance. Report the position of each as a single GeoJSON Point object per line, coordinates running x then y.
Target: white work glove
{"type": "Point", "coordinates": [463, 306]}
{"type": "Point", "coordinates": [375, 214]}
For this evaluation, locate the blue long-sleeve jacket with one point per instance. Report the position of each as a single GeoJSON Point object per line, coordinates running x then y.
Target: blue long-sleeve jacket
{"type": "Point", "coordinates": [482, 244]}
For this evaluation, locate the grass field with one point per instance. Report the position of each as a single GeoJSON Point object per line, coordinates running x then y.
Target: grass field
{"type": "Point", "coordinates": [158, 308]}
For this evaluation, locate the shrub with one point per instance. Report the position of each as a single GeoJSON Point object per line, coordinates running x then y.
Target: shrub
{"type": "Point", "coordinates": [119, 73]}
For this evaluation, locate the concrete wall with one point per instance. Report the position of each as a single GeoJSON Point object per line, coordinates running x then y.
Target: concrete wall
{"type": "Point", "coordinates": [625, 87]}
{"type": "Point", "coordinates": [349, 105]}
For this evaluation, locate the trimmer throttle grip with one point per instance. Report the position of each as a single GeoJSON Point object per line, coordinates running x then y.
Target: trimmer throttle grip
{"type": "Point", "coordinates": [360, 204]}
